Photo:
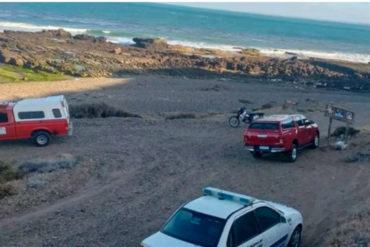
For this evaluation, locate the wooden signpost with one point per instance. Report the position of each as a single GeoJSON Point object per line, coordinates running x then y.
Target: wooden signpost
{"type": "Point", "coordinates": [339, 114]}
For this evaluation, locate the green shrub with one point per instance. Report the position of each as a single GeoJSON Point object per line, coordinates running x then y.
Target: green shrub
{"type": "Point", "coordinates": [6, 190]}
{"type": "Point", "coordinates": [10, 73]}
{"type": "Point", "coordinates": [98, 110]}
{"type": "Point", "coordinates": [9, 173]}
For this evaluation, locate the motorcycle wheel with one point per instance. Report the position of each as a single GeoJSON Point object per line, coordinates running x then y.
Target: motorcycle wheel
{"type": "Point", "coordinates": [234, 121]}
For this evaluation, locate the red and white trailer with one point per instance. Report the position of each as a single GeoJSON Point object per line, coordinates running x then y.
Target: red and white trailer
{"type": "Point", "coordinates": [36, 119]}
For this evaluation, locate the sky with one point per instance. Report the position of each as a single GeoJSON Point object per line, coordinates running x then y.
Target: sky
{"type": "Point", "coordinates": [339, 12]}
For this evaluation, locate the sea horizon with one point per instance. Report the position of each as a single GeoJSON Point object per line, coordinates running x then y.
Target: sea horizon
{"type": "Point", "coordinates": [195, 27]}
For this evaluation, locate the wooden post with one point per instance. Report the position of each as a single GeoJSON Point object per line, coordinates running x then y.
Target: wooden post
{"type": "Point", "coordinates": [329, 129]}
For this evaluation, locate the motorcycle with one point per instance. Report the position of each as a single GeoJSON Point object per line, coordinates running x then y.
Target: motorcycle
{"type": "Point", "coordinates": [244, 116]}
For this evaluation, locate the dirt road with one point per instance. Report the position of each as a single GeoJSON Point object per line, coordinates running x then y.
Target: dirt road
{"type": "Point", "coordinates": [134, 172]}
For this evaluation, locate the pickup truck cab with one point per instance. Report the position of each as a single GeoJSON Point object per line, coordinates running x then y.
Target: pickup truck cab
{"type": "Point", "coordinates": [225, 219]}
{"type": "Point", "coordinates": [281, 133]}
{"type": "Point", "coordinates": [37, 119]}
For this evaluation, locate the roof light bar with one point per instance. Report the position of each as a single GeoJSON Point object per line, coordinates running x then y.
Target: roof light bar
{"type": "Point", "coordinates": [227, 195]}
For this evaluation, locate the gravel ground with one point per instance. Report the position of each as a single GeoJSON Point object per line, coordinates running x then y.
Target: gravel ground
{"type": "Point", "coordinates": [132, 173]}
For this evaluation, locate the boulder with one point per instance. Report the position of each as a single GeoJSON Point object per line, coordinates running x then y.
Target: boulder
{"type": "Point", "coordinates": [17, 61]}
{"type": "Point", "coordinates": [84, 37]}
{"type": "Point", "coordinates": [100, 39]}
{"type": "Point", "coordinates": [79, 68]}
{"type": "Point", "coordinates": [148, 43]}
{"type": "Point", "coordinates": [117, 50]}
{"type": "Point", "coordinates": [89, 38]}
{"type": "Point", "coordinates": [62, 33]}
{"type": "Point", "coordinates": [5, 56]}
{"type": "Point", "coordinates": [10, 58]}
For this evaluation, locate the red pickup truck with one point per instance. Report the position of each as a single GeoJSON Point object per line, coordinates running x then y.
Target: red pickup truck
{"type": "Point", "coordinates": [281, 133]}
{"type": "Point", "coordinates": [37, 119]}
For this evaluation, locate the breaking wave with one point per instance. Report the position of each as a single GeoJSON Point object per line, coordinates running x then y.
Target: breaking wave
{"type": "Point", "coordinates": [19, 26]}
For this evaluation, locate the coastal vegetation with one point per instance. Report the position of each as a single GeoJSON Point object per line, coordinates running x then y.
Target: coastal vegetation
{"type": "Point", "coordinates": [12, 73]}
{"type": "Point", "coordinates": [8, 173]}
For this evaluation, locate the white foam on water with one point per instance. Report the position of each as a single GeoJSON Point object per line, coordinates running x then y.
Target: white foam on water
{"type": "Point", "coordinates": [305, 54]}
{"type": "Point", "coordinates": [120, 40]}
{"type": "Point", "coordinates": [281, 53]}
{"type": "Point", "coordinates": [203, 45]}
{"type": "Point", "coordinates": [18, 26]}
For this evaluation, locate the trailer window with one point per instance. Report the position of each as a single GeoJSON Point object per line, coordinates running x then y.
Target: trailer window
{"type": "Point", "coordinates": [31, 115]}
{"type": "Point", "coordinates": [57, 113]}
{"type": "Point", "coordinates": [3, 117]}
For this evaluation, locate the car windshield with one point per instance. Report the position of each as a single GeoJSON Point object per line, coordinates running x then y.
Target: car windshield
{"type": "Point", "coordinates": [195, 228]}
{"type": "Point", "coordinates": [264, 126]}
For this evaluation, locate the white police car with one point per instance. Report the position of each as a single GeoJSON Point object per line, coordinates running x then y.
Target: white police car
{"type": "Point", "coordinates": [225, 219]}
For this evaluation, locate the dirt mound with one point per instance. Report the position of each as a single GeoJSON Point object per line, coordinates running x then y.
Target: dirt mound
{"type": "Point", "coordinates": [98, 110]}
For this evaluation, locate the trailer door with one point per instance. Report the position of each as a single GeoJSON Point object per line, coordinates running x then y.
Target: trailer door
{"type": "Point", "coordinates": [65, 108]}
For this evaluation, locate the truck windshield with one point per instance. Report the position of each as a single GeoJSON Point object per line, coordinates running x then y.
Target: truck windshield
{"type": "Point", "coordinates": [264, 126]}
{"type": "Point", "coordinates": [195, 228]}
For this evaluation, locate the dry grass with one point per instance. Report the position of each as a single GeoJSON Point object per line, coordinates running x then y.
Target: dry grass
{"type": "Point", "coordinates": [8, 173]}
{"type": "Point", "coordinates": [355, 231]}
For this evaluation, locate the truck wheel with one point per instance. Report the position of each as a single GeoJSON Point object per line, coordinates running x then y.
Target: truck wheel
{"type": "Point", "coordinates": [41, 138]}
{"type": "Point", "coordinates": [295, 239]}
{"type": "Point", "coordinates": [256, 154]}
{"type": "Point", "coordinates": [292, 154]}
{"type": "Point", "coordinates": [316, 141]}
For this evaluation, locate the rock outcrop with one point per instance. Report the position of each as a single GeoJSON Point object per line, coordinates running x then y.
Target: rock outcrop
{"type": "Point", "coordinates": [148, 43]}
{"type": "Point", "coordinates": [88, 56]}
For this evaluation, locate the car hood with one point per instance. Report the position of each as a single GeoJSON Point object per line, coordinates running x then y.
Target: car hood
{"type": "Point", "coordinates": [160, 239]}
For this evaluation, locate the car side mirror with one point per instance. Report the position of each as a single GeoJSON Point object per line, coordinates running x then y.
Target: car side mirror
{"type": "Point", "coordinates": [308, 122]}
{"type": "Point", "coordinates": [282, 219]}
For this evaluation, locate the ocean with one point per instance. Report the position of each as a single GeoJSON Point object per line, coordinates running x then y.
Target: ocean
{"type": "Point", "coordinates": [120, 22]}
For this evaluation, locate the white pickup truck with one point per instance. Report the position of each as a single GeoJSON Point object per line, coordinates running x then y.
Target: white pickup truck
{"type": "Point", "coordinates": [225, 219]}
